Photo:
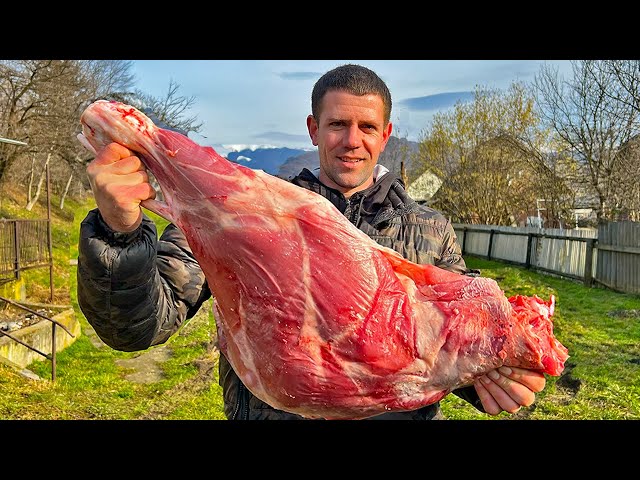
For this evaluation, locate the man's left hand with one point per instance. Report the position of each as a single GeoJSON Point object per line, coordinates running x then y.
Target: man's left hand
{"type": "Point", "coordinates": [508, 389]}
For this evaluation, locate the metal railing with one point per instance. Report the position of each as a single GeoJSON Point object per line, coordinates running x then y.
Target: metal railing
{"type": "Point", "coordinates": [23, 245]}
{"type": "Point", "coordinates": [54, 323]}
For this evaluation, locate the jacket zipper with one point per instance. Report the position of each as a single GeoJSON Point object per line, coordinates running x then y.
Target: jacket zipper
{"type": "Point", "coordinates": [241, 404]}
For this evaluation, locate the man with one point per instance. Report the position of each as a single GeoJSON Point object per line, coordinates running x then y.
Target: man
{"type": "Point", "coordinates": [136, 290]}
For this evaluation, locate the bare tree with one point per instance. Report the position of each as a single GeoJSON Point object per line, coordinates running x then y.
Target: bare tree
{"type": "Point", "coordinates": [171, 109]}
{"type": "Point", "coordinates": [107, 78]}
{"type": "Point", "coordinates": [625, 203]}
{"type": "Point", "coordinates": [585, 114]}
{"type": "Point", "coordinates": [627, 74]}
{"type": "Point", "coordinates": [23, 104]}
{"type": "Point", "coordinates": [554, 173]}
{"type": "Point", "coordinates": [41, 102]}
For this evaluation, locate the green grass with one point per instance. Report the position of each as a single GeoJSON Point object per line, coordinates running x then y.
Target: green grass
{"type": "Point", "coordinates": [601, 330]}
{"type": "Point", "coordinates": [91, 384]}
{"type": "Point", "coordinates": [601, 381]}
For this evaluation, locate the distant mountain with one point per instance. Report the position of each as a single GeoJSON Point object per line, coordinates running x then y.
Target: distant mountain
{"type": "Point", "coordinates": [267, 159]}
{"type": "Point", "coordinates": [397, 151]}
{"type": "Point", "coordinates": [288, 162]}
{"type": "Point", "coordinates": [391, 157]}
{"type": "Point", "coordinates": [294, 165]}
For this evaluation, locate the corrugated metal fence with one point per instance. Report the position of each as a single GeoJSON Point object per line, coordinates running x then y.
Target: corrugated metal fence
{"type": "Point", "coordinates": [609, 256]}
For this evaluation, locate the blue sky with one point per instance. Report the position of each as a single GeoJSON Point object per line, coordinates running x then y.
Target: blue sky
{"type": "Point", "coordinates": [266, 102]}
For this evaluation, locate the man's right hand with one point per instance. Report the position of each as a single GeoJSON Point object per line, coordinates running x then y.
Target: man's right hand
{"type": "Point", "coordinates": [119, 182]}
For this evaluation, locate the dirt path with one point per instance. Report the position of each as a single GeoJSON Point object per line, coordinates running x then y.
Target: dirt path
{"type": "Point", "coordinates": [147, 367]}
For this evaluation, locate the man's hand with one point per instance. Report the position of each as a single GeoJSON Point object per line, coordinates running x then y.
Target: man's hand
{"type": "Point", "coordinates": [119, 182]}
{"type": "Point", "coordinates": [508, 389]}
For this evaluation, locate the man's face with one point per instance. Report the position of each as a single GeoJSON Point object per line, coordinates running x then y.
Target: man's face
{"type": "Point", "coordinates": [350, 134]}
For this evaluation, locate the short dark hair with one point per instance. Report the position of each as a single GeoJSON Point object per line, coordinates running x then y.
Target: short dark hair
{"type": "Point", "coordinates": [354, 79]}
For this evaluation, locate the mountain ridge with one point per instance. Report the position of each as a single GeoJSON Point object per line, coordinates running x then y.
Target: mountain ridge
{"type": "Point", "coordinates": [287, 162]}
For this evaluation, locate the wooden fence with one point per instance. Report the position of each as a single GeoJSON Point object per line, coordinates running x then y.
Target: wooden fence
{"type": "Point", "coordinates": [609, 256]}
{"type": "Point", "coordinates": [619, 256]}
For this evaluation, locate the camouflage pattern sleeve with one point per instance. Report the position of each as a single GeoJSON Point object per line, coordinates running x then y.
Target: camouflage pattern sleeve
{"type": "Point", "coordinates": [134, 289]}
{"type": "Point", "coordinates": [451, 253]}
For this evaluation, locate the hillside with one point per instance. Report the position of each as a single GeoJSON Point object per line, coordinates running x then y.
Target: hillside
{"type": "Point", "coordinates": [397, 149]}
{"type": "Point", "coordinates": [267, 159]}
{"type": "Point", "coordinates": [13, 199]}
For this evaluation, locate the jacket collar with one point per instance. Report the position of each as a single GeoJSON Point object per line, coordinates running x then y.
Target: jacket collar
{"type": "Point", "coordinates": [385, 199]}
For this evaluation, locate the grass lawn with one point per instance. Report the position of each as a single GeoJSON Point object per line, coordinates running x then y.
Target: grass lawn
{"type": "Point", "coordinates": [600, 328]}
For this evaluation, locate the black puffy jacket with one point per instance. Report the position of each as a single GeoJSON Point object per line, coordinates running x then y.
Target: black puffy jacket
{"type": "Point", "coordinates": [136, 290]}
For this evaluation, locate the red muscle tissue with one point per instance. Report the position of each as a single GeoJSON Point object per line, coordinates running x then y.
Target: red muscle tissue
{"type": "Point", "coordinates": [316, 317]}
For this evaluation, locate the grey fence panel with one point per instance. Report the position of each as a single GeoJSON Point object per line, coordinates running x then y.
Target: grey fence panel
{"type": "Point", "coordinates": [512, 248]}
{"type": "Point", "coordinates": [563, 252]}
{"type": "Point", "coordinates": [564, 256]}
{"type": "Point", "coordinates": [619, 256]}
{"type": "Point", "coordinates": [609, 256]}
{"type": "Point", "coordinates": [476, 243]}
